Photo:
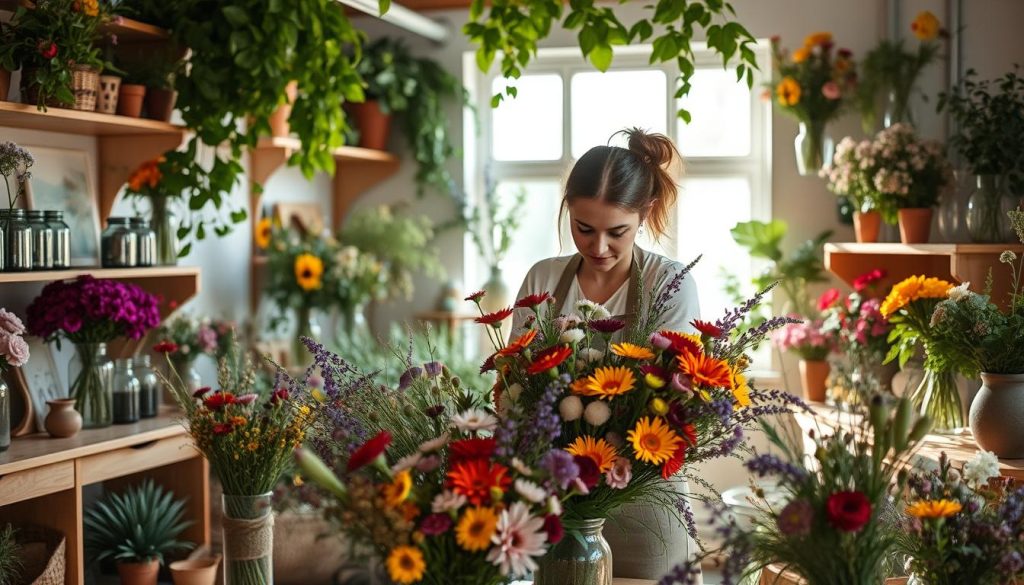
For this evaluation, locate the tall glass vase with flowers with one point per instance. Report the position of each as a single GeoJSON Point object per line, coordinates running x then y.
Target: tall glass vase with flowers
{"type": "Point", "coordinates": [90, 313]}
{"type": "Point", "coordinates": [147, 183]}
{"type": "Point", "coordinates": [812, 85]}
{"type": "Point", "coordinates": [185, 338]}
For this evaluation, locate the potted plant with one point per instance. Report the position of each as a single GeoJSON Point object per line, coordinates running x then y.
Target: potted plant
{"type": "Point", "coordinates": [10, 556]}
{"type": "Point", "coordinates": [808, 340]}
{"type": "Point", "coordinates": [989, 115]}
{"type": "Point", "coordinates": [8, 61]}
{"type": "Point", "coordinates": [133, 90]}
{"type": "Point", "coordinates": [413, 90]}
{"type": "Point", "coordinates": [136, 529]}
{"type": "Point", "coordinates": [492, 228]}
{"type": "Point", "coordinates": [160, 71]}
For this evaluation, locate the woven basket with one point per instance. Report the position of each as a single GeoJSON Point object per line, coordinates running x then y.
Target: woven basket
{"type": "Point", "coordinates": [85, 85]}
{"type": "Point", "coordinates": [43, 552]}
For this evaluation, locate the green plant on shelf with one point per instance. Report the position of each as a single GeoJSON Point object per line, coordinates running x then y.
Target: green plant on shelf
{"type": "Point", "coordinates": [140, 525]}
{"type": "Point", "coordinates": [10, 556]}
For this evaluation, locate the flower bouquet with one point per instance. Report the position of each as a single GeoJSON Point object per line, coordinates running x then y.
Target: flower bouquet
{"type": "Point", "coordinates": [812, 86]}
{"type": "Point", "coordinates": [831, 525]}
{"type": "Point", "coordinates": [629, 416]}
{"type": "Point", "coordinates": [909, 307]}
{"type": "Point", "coordinates": [147, 182]}
{"type": "Point", "coordinates": [963, 527]}
{"type": "Point", "coordinates": [90, 313]}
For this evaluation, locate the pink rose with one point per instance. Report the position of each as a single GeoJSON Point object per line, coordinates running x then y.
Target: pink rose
{"type": "Point", "coordinates": [620, 474]}
{"type": "Point", "coordinates": [10, 323]}
{"type": "Point", "coordinates": [831, 90]}
{"type": "Point", "coordinates": [14, 349]}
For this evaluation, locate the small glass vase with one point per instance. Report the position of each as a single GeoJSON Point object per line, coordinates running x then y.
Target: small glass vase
{"type": "Point", "coordinates": [248, 526]}
{"type": "Point", "coordinates": [351, 321]}
{"type": "Point", "coordinates": [814, 148]}
{"type": "Point", "coordinates": [185, 371]}
{"type": "Point", "coordinates": [897, 108]}
{"type": "Point", "coordinates": [986, 222]}
{"type": "Point", "coordinates": [586, 560]}
{"type": "Point", "coordinates": [91, 377]}
{"type": "Point", "coordinates": [938, 397]}
{"type": "Point", "coordinates": [305, 326]}
{"type": "Point", "coordinates": [166, 230]}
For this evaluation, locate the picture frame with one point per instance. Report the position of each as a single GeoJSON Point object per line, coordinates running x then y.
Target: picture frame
{"type": "Point", "coordinates": [62, 180]}
{"type": "Point", "coordinates": [40, 379]}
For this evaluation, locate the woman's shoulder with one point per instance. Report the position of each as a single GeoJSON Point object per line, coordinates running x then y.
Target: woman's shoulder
{"type": "Point", "coordinates": [657, 266]}
{"type": "Point", "coordinates": [547, 269]}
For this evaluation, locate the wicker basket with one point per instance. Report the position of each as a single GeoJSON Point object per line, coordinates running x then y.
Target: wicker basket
{"type": "Point", "coordinates": [85, 85]}
{"type": "Point", "coordinates": [44, 558]}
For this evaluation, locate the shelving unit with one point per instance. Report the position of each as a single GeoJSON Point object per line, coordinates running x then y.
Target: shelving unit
{"type": "Point", "coordinates": [953, 262]}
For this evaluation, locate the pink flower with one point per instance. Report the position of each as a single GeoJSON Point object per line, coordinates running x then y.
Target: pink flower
{"type": "Point", "coordinates": [518, 539]}
{"type": "Point", "coordinates": [435, 524]}
{"type": "Point", "coordinates": [619, 476]}
{"type": "Point", "coordinates": [14, 349]}
{"type": "Point", "coordinates": [831, 90]}
{"type": "Point", "coordinates": [10, 323]}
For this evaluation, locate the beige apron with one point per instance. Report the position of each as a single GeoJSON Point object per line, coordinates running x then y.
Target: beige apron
{"type": "Point", "coordinates": [646, 541]}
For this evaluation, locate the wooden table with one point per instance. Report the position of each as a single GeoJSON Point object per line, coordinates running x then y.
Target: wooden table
{"type": "Point", "coordinates": [774, 575]}
{"type": "Point", "coordinates": [616, 581]}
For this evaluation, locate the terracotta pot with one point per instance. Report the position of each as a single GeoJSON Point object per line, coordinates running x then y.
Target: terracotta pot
{"type": "Point", "coordinates": [63, 420]}
{"type": "Point", "coordinates": [195, 571]}
{"type": "Point", "coordinates": [160, 103]}
{"type": "Point", "coordinates": [915, 225]}
{"type": "Point", "coordinates": [138, 573]}
{"type": "Point", "coordinates": [373, 124]}
{"type": "Point", "coordinates": [129, 102]}
{"type": "Point", "coordinates": [997, 415]}
{"type": "Point", "coordinates": [866, 225]}
{"type": "Point", "coordinates": [813, 374]}
{"type": "Point", "coordinates": [279, 119]}
{"type": "Point", "coordinates": [110, 89]}
{"type": "Point", "coordinates": [5, 84]}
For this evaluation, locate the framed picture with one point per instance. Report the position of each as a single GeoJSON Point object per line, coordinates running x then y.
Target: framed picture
{"type": "Point", "coordinates": [40, 378]}
{"type": "Point", "coordinates": [61, 180]}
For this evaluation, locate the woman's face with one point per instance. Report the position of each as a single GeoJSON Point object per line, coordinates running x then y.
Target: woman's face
{"type": "Point", "coordinates": [603, 233]}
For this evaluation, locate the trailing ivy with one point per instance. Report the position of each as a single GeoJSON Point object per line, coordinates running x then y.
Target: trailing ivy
{"type": "Point", "coordinates": [514, 28]}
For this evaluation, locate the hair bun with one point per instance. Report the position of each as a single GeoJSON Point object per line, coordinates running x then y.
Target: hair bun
{"type": "Point", "coordinates": [652, 148]}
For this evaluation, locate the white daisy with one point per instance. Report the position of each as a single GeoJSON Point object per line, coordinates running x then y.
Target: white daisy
{"type": "Point", "coordinates": [520, 467]}
{"type": "Point", "coordinates": [982, 467]}
{"type": "Point", "coordinates": [447, 501]}
{"type": "Point", "coordinates": [530, 491]}
{"type": "Point", "coordinates": [587, 308]}
{"type": "Point", "coordinates": [571, 336]}
{"type": "Point", "coordinates": [434, 444]}
{"type": "Point", "coordinates": [407, 462]}
{"type": "Point", "coordinates": [474, 419]}
{"type": "Point", "coordinates": [519, 538]}
{"type": "Point", "coordinates": [570, 408]}
{"type": "Point", "coordinates": [959, 293]}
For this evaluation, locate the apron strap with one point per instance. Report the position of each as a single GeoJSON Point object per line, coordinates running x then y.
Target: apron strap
{"type": "Point", "coordinates": [565, 281]}
{"type": "Point", "coordinates": [632, 302]}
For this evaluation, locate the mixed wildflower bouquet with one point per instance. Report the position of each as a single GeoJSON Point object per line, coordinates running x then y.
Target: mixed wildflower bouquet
{"type": "Point", "coordinates": [963, 527]}
{"type": "Point", "coordinates": [832, 526]}
{"type": "Point", "coordinates": [856, 322]}
{"type": "Point", "coordinates": [894, 170]}
{"type": "Point", "coordinates": [193, 336]}
{"type": "Point", "coordinates": [813, 83]}
{"type": "Point", "coordinates": [909, 307]}
{"type": "Point", "coordinates": [629, 415]}
{"type": "Point", "coordinates": [13, 349]}
{"type": "Point", "coordinates": [807, 339]}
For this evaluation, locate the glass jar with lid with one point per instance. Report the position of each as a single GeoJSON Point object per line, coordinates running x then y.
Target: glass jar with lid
{"type": "Point", "coordinates": [146, 240]}
{"type": "Point", "coordinates": [18, 236]}
{"type": "Point", "coordinates": [119, 244]}
{"type": "Point", "coordinates": [42, 241]}
{"type": "Point", "coordinates": [61, 239]}
{"type": "Point", "coordinates": [149, 387]}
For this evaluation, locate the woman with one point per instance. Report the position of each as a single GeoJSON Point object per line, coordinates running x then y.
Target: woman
{"type": "Point", "coordinates": [611, 194]}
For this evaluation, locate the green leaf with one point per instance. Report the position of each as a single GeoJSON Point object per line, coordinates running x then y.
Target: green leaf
{"type": "Point", "coordinates": [235, 15]}
{"type": "Point", "coordinates": [762, 239]}
{"type": "Point", "coordinates": [601, 57]}
{"type": "Point", "coordinates": [496, 99]}
{"type": "Point", "coordinates": [588, 40]}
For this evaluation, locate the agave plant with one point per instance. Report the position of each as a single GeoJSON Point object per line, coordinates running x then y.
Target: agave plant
{"type": "Point", "coordinates": [138, 526]}
{"type": "Point", "coordinates": [10, 556]}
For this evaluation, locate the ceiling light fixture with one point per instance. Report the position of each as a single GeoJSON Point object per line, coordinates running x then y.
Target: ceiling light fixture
{"type": "Point", "coordinates": [402, 17]}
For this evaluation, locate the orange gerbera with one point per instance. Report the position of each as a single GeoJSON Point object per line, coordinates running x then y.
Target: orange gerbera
{"type": "Point", "coordinates": [519, 344]}
{"type": "Point", "coordinates": [912, 289]}
{"type": "Point", "coordinates": [800, 55]}
{"type": "Point", "coordinates": [599, 450]}
{"type": "Point", "coordinates": [579, 386]}
{"type": "Point", "coordinates": [705, 371]}
{"type": "Point", "coordinates": [934, 508]}
{"type": "Point", "coordinates": [476, 478]}
{"type": "Point", "coordinates": [926, 26]}
{"type": "Point", "coordinates": [549, 358]}
{"type": "Point", "coordinates": [631, 351]}
{"type": "Point", "coordinates": [610, 381]}
{"type": "Point", "coordinates": [788, 92]}
{"type": "Point", "coordinates": [147, 175]}
{"type": "Point", "coordinates": [653, 440]}
{"type": "Point", "coordinates": [263, 231]}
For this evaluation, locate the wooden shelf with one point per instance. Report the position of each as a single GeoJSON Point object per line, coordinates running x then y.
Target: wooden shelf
{"type": "Point", "coordinates": [67, 121]}
{"type": "Point", "coordinates": [126, 29]}
{"type": "Point", "coordinates": [954, 262]}
{"type": "Point", "coordinates": [190, 272]}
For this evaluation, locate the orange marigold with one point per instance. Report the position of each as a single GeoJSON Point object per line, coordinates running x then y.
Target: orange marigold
{"type": "Point", "coordinates": [912, 289]}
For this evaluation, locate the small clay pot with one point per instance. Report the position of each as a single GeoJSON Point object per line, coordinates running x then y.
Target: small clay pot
{"type": "Point", "coordinates": [278, 121]}
{"type": "Point", "coordinates": [138, 573]}
{"type": "Point", "coordinates": [195, 571]}
{"type": "Point", "coordinates": [160, 103]}
{"type": "Point", "coordinates": [373, 124]}
{"type": "Point", "coordinates": [129, 103]}
{"type": "Point", "coordinates": [63, 420]}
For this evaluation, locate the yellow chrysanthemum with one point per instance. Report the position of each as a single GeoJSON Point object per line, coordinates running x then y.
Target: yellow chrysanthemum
{"type": "Point", "coordinates": [87, 7]}
{"type": "Point", "coordinates": [262, 235]}
{"type": "Point", "coordinates": [800, 55]}
{"type": "Point", "coordinates": [788, 91]}
{"type": "Point", "coordinates": [740, 389]}
{"type": "Point", "coordinates": [818, 38]}
{"type": "Point", "coordinates": [912, 289]}
{"type": "Point", "coordinates": [610, 381]}
{"type": "Point", "coordinates": [631, 351]}
{"type": "Point", "coordinates": [406, 564]}
{"type": "Point", "coordinates": [398, 490]}
{"type": "Point", "coordinates": [308, 271]}
{"type": "Point", "coordinates": [474, 530]}
{"type": "Point", "coordinates": [599, 450]}
{"type": "Point", "coordinates": [926, 26]}
{"type": "Point", "coordinates": [653, 440]}
{"type": "Point", "coordinates": [934, 508]}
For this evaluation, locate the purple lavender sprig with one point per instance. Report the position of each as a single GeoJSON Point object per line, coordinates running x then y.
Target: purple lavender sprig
{"type": "Point", "coordinates": [768, 464]}
{"type": "Point", "coordinates": [733, 317]}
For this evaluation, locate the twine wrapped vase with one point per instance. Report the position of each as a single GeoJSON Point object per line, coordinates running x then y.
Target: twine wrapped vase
{"type": "Point", "coordinates": [248, 525]}
{"type": "Point", "coordinates": [85, 85]}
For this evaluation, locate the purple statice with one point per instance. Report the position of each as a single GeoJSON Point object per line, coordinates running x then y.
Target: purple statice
{"type": "Point", "coordinates": [546, 425]}
{"type": "Point", "coordinates": [91, 310]}
{"type": "Point", "coordinates": [561, 466]}
{"type": "Point", "coordinates": [768, 464]}
{"type": "Point", "coordinates": [506, 437]}
{"type": "Point", "coordinates": [433, 369]}
{"type": "Point", "coordinates": [340, 378]}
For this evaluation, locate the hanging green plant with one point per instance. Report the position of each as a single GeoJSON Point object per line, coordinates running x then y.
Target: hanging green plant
{"type": "Point", "coordinates": [514, 28]}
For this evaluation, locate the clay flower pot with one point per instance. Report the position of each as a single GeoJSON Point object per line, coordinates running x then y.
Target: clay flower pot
{"type": "Point", "coordinates": [63, 420]}
{"type": "Point", "coordinates": [139, 573]}
{"type": "Point", "coordinates": [915, 225]}
{"type": "Point", "coordinates": [866, 225]}
{"type": "Point", "coordinates": [195, 571]}
{"type": "Point", "coordinates": [373, 124]}
{"type": "Point", "coordinates": [813, 374]}
{"type": "Point", "coordinates": [160, 103]}
{"type": "Point", "coordinates": [129, 103]}
{"type": "Point", "coordinates": [278, 121]}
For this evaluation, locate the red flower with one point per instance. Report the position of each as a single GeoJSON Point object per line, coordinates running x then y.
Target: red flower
{"type": "Point", "coordinates": [673, 464]}
{"type": "Point", "coordinates": [477, 478]}
{"type": "Point", "coordinates": [549, 358]}
{"type": "Point", "coordinates": [48, 51]}
{"type": "Point", "coordinates": [590, 473]}
{"type": "Point", "coordinates": [219, 400]}
{"type": "Point", "coordinates": [370, 450]}
{"type": "Point", "coordinates": [165, 347]}
{"type": "Point", "coordinates": [848, 511]}
{"type": "Point", "coordinates": [828, 298]}
{"type": "Point", "coordinates": [682, 344]}
{"type": "Point", "coordinates": [867, 279]}
{"type": "Point", "coordinates": [495, 317]}
{"type": "Point", "coordinates": [476, 296]}
{"type": "Point", "coordinates": [532, 301]}
{"type": "Point", "coordinates": [279, 395]}
{"type": "Point", "coordinates": [222, 428]}
{"type": "Point", "coordinates": [553, 526]}
{"type": "Point", "coordinates": [689, 434]}
{"type": "Point", "coordinates": [607, 326]}
{"type": "Point", "coordinates": [474, 448]}
{"type": "Point", "coordinates": [488, 365]}
{"type": "Point", "coordinates": [520, 343]}
{"type": "Point", "coordinates": [201, 392]}
{"type": "Point", "coordinates": [706, 328]}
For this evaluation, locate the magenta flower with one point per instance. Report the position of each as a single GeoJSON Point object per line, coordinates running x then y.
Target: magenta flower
{"type": "Point", "coordinates": [436, 524]}
{"type": "Point", "coordinates": [795, 519]}
{"type": "Point", "coordinates": [606, 326]}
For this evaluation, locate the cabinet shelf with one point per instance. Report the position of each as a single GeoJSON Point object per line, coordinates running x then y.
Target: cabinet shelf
{"type": "Point", "coordinates": [67, 121]}
{"type": "Point", "coordinates": [126, 29]}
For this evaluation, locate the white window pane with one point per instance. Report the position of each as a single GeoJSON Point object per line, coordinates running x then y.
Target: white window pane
{"type": "Point", "coordinates": [537, 237]}
{"type": "Point", "coordinates": [528, 127]}
{"type": "Point", "coordinates": [720, 108]}
{"type": "Point", "coordinates": [604, 103]}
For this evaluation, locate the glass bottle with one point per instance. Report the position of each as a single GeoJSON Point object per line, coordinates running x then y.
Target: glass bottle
{"type": "Point", "coordinates": [125, 392]}
{"type": "Point", "coordinates": [985, 211]}
{"type": "Point", "coordinates": [149, 387]}
{"type": "Point", "coordinates": [119, 244]}
{"type": "Point", "coordinates": [42, 241]}
{"type": "Point", "coordinates": [91, 377]}
{"type": "Point", "coordinates": [166, 231]}
{"type": "Point", "coordinates": [146, 240]}
{"type": "Point", "coordinates": [3, 238]}
{"type": "Point", "coordinates": [19, 241]}
{"type": "Point", "coordinates": [61, 239]}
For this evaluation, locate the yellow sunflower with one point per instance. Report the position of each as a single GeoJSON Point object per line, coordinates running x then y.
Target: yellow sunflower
{"type": "Point", "coordinates": [474, 530]}
{"type": "Point", "coordinates": [262, 235]}
{"type": "Point", "coordinates": [788, 91]}
{"type": "Point", "coordinates": [406, 565]}
{"type": "Point", "coordinates": [818, 38]}
{"type": "Point", "coordinates": [599, 450]}
{"type": "Point", "coordinates": [912, 289]}
{"type": "Point", "coordinates": [800, 55]}
{"type": "Point", "coordinates": [934, 508]}
{"type": "Point", "coordinates": [610, 381]}
{"type": "Point", "coordinates": [398, 490]}
{"type": "Point", "coordinates": [631, 351]}
{"type": "Point", "coordinates": [653, 440]}
{"type": "Point", "coordinates": [308, 270]}
{"type": "Point", "coordinates": [740, 389]}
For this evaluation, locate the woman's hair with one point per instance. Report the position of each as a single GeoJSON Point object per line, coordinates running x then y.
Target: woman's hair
{"type": "Point", "coordinates": [636, 178]}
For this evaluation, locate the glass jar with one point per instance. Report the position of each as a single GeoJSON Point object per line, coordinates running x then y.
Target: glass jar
{"type": "Point", "coordinates": [119, 244]}
{"type": "Point", "coordinates": [814, 148]}
{"type": "Point", "coordinates": [986, 221]}
{"type": "Point", "coordinates": [582, 560]}
{"type": "Point", "coordinates": [42, 241]}
{"type": "Point", "coordinates": [149, 387]}
{"type": "Point", "coordinates": [146, 240]}
{"type": "Point", "coordinates": [125, 392]}
{"type": "Point", "coordinates": [61, 239]}
{"type": "Point", "coordinates": [18, 234]}
{"type": "Point", "coordinates": [165, 227]}
{"type": "Point", "coordinates": [91, 378]}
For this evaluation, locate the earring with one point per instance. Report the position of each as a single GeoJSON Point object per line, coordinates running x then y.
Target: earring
{"type": "Point", "coordinates": [640, 230]}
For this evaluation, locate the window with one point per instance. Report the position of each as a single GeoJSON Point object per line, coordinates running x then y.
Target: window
{"type": "Point", "coordinates": [564, 107]}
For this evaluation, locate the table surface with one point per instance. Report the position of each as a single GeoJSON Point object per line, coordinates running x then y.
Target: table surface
{"type": "Point", "coordinates": [616, 581]}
